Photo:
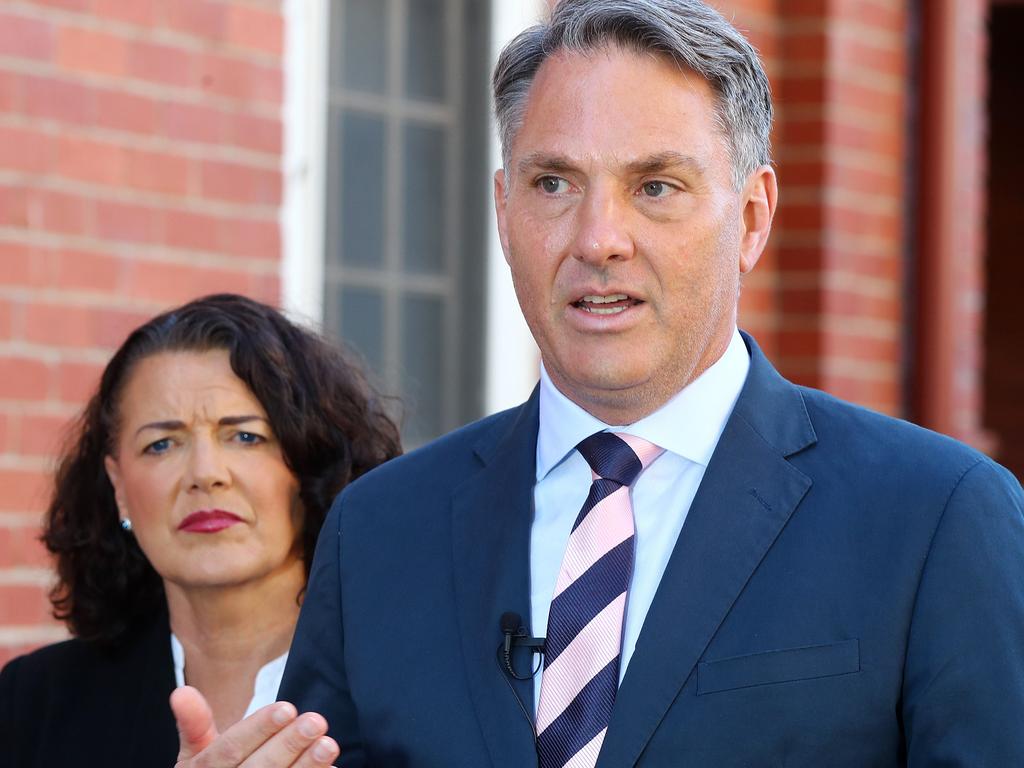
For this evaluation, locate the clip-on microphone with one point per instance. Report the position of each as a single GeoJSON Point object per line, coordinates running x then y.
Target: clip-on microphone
{"type": "Point", "coordinates": [515, 636]}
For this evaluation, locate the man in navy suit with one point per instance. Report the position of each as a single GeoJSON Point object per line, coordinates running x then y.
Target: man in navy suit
{"type": "Point", "coordinates": [812, 584]}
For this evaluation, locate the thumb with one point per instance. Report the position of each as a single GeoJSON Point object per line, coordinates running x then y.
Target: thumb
{"type": "Point", "coordinates": [195, 721]}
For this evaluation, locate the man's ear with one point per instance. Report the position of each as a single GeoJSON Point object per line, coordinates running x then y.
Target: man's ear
{"type": "Point", "coordinates": [500, 200]}
{"type": "Point", "coordinates": [757, 202]}
{"type": "Point", "coordinates": [114, 475]}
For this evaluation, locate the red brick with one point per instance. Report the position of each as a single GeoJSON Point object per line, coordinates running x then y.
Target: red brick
{"type": "Point", "coordinates": [15, 206]}
{"type": "Point", "coordinates": [6, 332]}
{"type": "Point", "coordinates": [17, 262]}
{"type": "Point", "coordinates": [192, 122]}
{"type": "Point", "coordinates": [61, 212]}
{"type": "Point", "coordinates": [259, 133]}
{"type": "Point", "coordinates": [20, 545]}
{"type": "Point", "coordinates": [237, 79]}
{"type": "Point", "coordinates": [10, 93]}
{"type": "Point", "coordinates": [265, 287]}
{"type": "Point", "coordinates": [91, 161]}
{"type": "Point", "coordinates": [128, 222]}
{"type": "Point", "coordinates": [28, 151]}
{"type": "Point", "coordinates": [240, 183]}
{"type": "Point", "coordinates": [187, 229]}
{"type": "Point", "coordinates": [25, 38]}
{"type": "Point", "coordinates": [113, 327]}
{"type": "Point", "coordinates": [60, 100]}
{"type": "Point", "coordinates": [156, 172]}
{"type": "Point", "coordinates": [82, 270]}
{"type": "Point", "coordinates": [200, 18]}
{"type": "Point", "coordinates": [138, 12]}
{"type": "Point", "coordinates": [24, 490]}
{"type": "Point", "coordinates": [42, 435]}
{"type": "Point", "coordinates": [7, 440]}
{"type": "Point", "coordinates": [76, 381]}
{"type": "Point", "coordinates": [89, 50]}
{"type": "Point", "coordinates": [60, 325]}
{"type": "Point", "coordinates": [125, 111]}
{"type": "Point", "coordinates": [255, 28]}
{"type": "Point", "coordinates": [251, 238]}
{"type": "Point", "coordinates": [160, 63]}
{"type": "Point", "coordinates": [68, 5]}
{"type": "Point", "coordinates": [23, 604]}
{"type": "Point", "coordinates": [168, 283]}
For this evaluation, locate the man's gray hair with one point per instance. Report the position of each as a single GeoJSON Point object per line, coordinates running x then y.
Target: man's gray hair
{"type": "Point", "coordinates": [688, 32]}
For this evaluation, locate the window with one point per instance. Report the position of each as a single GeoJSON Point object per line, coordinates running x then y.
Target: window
{"type": "Point", "coordinates": [406, 200]}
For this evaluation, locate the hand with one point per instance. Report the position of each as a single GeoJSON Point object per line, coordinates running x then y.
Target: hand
{"type": "Point", "coordinates": [272, 737]}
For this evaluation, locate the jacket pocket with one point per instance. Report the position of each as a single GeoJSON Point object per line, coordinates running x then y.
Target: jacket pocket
{"type": "Point", "coordinates": [783, 666]}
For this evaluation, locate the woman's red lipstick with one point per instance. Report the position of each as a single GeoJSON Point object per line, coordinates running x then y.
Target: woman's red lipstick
{"type": "Point", "coordinates": [208, 521]}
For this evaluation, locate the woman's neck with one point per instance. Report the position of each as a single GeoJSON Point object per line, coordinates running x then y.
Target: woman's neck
{"type": "Point", "coordinates": [229, 633]}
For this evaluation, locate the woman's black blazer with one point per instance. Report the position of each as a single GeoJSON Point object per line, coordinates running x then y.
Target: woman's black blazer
{"type": "Point", "coordinates": [79, 704]}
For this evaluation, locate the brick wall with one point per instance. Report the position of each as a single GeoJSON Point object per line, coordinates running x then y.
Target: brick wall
{"type": "Point", "coordinates": [140, 155]}
{"type": "Point", "coordinates": [828, 298]}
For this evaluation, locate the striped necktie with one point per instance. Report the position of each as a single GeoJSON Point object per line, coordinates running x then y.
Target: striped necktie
{"type": "Point", "coordinates": [584, 639]}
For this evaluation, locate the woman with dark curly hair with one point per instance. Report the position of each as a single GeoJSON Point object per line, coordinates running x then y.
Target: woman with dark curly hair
{"type": "Point", "coordinates": [183, 522]}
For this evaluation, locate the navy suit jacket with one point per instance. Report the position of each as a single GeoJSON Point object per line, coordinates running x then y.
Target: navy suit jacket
{"type": "Point", "coordinates": [847, 590]}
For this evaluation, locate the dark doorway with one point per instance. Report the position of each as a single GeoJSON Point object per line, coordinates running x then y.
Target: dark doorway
{"type": "Point", "coordinates": [1004, 265]}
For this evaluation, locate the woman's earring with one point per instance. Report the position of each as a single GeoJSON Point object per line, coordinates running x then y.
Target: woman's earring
{"type": "Point", "coordinates": [126, 524]}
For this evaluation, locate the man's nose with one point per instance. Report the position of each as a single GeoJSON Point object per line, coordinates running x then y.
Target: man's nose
{"type": "Point", "coordinates": [602, 228]}
{"type": "Point", "coordinates": [207, 466]}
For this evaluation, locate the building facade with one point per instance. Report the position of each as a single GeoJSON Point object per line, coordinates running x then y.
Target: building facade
{"type": "Point", "coordinates": [334, 157]}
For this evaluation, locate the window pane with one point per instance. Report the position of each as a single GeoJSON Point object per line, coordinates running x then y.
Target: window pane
{"type": "Point", "coordinates": [362, 322]}
{"type": "Point", "coordinates": [425, 50]}
{"type": "Point", "coordinates": [424, 198]}
{"type": "Point", "coordinates": [422, 366]}
{"type": "Point", "coordinates": [363, 45]}
{"type": "Point", "coordinates": [362, 184]}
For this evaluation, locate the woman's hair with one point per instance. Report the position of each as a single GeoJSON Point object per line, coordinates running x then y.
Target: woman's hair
{"type": "Point", "coordinates": [331, 425]}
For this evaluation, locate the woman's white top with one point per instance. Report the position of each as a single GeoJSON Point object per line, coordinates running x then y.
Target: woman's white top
{"type": "Point", "coordinates": [264, 691]}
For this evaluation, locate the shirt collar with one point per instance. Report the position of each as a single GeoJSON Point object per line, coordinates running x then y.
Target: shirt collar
{"type": "Point", "coordinates": [688, 425]}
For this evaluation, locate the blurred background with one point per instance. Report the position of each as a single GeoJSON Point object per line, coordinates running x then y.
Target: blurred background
{"type": "Point", "coordinates": [334, 157]}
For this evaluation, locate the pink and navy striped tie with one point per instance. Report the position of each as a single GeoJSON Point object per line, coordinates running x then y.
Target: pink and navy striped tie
{"type": "Point", "coordinates": [584, 640]}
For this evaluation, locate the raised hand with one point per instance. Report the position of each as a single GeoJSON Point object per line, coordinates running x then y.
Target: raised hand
{"type": "Point", "coordinates": [275, 736]}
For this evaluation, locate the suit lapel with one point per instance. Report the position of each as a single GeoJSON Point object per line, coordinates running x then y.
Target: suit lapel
{"type": "Point", "coordinates": [748, 493]}
{"type": "Point", "coordinates": [492, 513]}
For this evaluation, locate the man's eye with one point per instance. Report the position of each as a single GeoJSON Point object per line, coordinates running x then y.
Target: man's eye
{"type": "Point", "coordinates": [655, 189]}
{"type": "Point", "coordinates": [159, 446]}
{"type": "Point", "coordinates": [553, 185]}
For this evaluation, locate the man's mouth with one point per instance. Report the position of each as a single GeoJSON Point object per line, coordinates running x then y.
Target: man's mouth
{"type": "Point", "coordinates": [606, 305]}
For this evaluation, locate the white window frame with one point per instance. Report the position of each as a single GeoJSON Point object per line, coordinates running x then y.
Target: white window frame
{"type": "Point", "coordinates": [510, 356]}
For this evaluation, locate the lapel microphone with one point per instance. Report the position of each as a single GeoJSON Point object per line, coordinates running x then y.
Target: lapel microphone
{"type": "Point", "coordinates": [515, 636]}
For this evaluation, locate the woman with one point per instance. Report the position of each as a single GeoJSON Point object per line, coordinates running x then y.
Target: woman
{"type": "Point", "coordinates": [183, 523]}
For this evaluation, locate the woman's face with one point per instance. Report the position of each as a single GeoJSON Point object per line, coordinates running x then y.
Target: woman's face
{"type": "Point", "coordinates": [201, 475]}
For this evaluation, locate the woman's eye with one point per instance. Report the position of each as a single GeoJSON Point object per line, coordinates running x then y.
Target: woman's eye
{"type": "Point", "coordinates": [159, 446]}
{"type": "Point", "coordinates": [553, 185]}
{"type": "Point", "coordinates": [655, 188]}
{"type": "Point", "coordinates": [250, 438]}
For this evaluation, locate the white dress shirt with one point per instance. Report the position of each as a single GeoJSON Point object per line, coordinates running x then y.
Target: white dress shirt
{"type": "Point", "coordinates": [264, 689]}
{"type": "Point", "coordinates": [688, 427]}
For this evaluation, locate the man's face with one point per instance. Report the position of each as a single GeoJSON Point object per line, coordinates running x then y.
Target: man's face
{"type": "Point", "coordinates": [623, 231]}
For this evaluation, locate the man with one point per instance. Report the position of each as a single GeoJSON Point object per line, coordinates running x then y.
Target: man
{"type": "Point", "coordinates": [774, 577]}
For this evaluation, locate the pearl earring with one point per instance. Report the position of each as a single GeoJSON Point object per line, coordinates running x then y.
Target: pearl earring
{"type": "Point", "coordinates": [126, 525]}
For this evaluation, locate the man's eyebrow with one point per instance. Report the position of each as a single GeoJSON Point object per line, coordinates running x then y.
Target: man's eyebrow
{"type": "Point", "coordinates": [663, 161]}
{"type": "Point", "coordinates": [660, 161]}
{"type": "Point", "coordinates": [546, 162]}
{"type": "Point", "coordinates": [228, 421]}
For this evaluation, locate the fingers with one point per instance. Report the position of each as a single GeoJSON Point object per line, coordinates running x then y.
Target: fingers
{"type": "Point", "coordinates": [194, 719]}
{"type": "Point", "coordinates": [272, 737]}
{"type": "Point", "coordinates": [303, 744]}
